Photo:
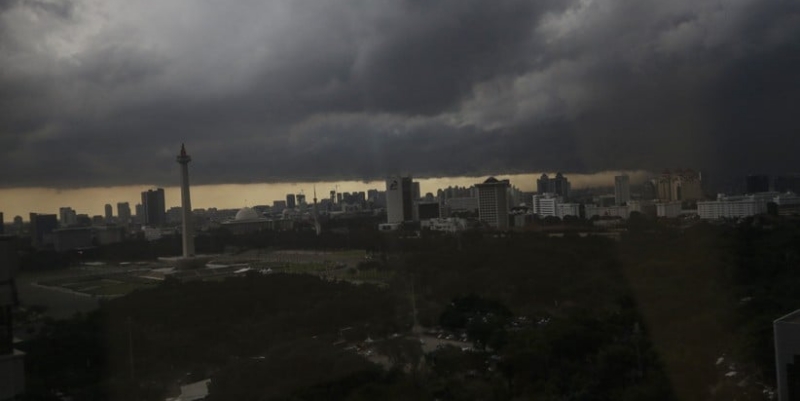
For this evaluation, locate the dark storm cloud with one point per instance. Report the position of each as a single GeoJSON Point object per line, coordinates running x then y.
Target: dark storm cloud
{"type": "Point", "coordinates": [103, 93]}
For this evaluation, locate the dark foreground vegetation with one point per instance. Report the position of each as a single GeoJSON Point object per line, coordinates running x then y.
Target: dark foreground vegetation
{"type": "Point", "coordinates": [645, 318]}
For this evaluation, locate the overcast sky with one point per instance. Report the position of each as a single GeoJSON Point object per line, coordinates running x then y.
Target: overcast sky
{"type": "Point", "coordinates": [103, 92]}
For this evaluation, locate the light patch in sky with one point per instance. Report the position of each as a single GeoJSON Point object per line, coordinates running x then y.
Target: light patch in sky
{"type": "Point", "coordinates": [91, 201]}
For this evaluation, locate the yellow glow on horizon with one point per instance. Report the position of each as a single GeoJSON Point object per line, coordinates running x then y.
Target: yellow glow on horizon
{"type": "Point", "coordinates": [91, 201]}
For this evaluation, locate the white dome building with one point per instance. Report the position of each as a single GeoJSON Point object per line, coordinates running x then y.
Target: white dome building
{"type": "Point", "coordinates": [246, 214]}
{"type": "Point", "coordinates": [247, 220]}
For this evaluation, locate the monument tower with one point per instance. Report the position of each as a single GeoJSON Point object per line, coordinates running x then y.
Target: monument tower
{"type": "Point", "coordinates": [186, 204]}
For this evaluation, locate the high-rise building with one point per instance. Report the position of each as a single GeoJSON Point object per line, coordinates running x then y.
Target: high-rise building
{"type": "Point", "coordinates": [559, 185]}
{"type": "Point", "coordinates": [545, 205]}
{"type": "Point", "coordinates": [154, 207]}
{"type": "Point", "coordinates": [679, 185]}
{"type": "Point", "coordinates": [18, 225]}
{"type": "Point", "coordinates": [2, 224]}
{"type": "Point", "coordinates": [67, 217]}
{"type": "Point", "coordinates": [622, 190]}
{"type": "Point", "coordinates": [649, 190]}
{"type": "Point", "coordinates": [109, 213]}
{"type": "Point", "coordinates": [278, 206]}
{"type": "Point", "coordinates": [755, 183]}
{"type": "Point", "coordinates": [399, 199]}
{"type": "Point", "coordinates": [290, 201]}
{"type": "Point", "coordinates": [42, 226]}
{"type": "Point", "coordinates": [301, 200]}
{"type": "Point", "coordinates": [493, 202]}
{"type": "Point", "coordinates": [124, 212]}
{"type": "Point", "coordinates": [139, 216]}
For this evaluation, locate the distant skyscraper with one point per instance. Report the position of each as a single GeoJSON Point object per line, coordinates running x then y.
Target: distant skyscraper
{"type": "Point", "coordinates": [290, 201]}
{"type": "Point", "coordinates": [333, 196]}
{"type": "Point", "coordinates": [679, 185]}
{"type": "Point", "coordinates": [649, 190]}
{"type": "Point", "coordinates": [622, 189]}
{"type": "Point", "coordinates": [278, 206]}
{"type": "Point", "coordinates": [42, 226]}
{"type": "Point", "coordinates": [2, 224]}
{"type": "Point", "coordinates": [109, 213]}
{"type": "Point", "coordinates": [301, 200]}
{"type": "Point", "coordinates": [415, 190]}
{"type": "Point", "coordinates": [18, 225]}
{"type": "Point", "coordinates": [493, 202]}
{"type": "Point", "coordinates": [124, 212]}
{"type": "Point", "coordinates": [187, 225]}
{"type": "Point", "coordinates": [559, 185]}
{"type": "Point", "coordinates": [140, 219]}
{"type": "Point", "coordinates": [154, 207]}
{"type": "Point", "coordinates": [399, 199]}
{"type": "Point", "coordinates": [67, 217]}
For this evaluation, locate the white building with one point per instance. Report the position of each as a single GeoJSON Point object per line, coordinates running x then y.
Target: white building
{"type": "Point", "coordinates": [493, 202]}
{"type": "Point", "coordinates": [399, 199]}
{"type": "Point", "coordinates": [568, 209]}
{"type": "Point", "coordinates": [449, 225]}
{"type": "Point", "coordinates": [622, 189]}
{"type": "Point", "coordinates": [735, 206]}
{"type": "Point", "coordinates": [545, 205]}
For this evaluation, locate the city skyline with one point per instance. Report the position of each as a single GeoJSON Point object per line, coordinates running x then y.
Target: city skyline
{"type": "Point", "coordinates": [99, 94]}
{"type": "Point", "coordinates": [92, 201]}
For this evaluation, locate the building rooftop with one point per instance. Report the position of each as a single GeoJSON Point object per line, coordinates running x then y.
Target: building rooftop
{"type": "Point", "coordinates": [791, 318]}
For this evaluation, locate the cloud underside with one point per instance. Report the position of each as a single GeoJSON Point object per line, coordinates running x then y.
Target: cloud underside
{"type": "Point", "coordinates": [104, 92]}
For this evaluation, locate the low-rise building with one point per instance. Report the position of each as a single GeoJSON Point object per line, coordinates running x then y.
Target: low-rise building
{"type": "Point", "coordinates": [450, 224]}
{"type": "Point", "coordinates": [669, 209]}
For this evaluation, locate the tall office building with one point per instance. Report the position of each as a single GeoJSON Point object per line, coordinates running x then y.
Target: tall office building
{"type": "Point", "coordinates": [649, 191]}
{"type": "Point", "coordinates": [139, 216]}
{"type": "Point", "coordinates": [559, 185]}
{"type": "Point", "coordinates": [42, 226]}
{"type": "Point", "coordinates": [399, 199]}
{"type": "Point", "coordinates": [109, 213]}
{"type": "Point", "coordinates": [124, 212]}
{"type": "Point", "coordinates": [154, 207]}
{"type": "Point", "coordinates": [290, 201]}
{"type": "Point", "coordinates": [2, 224]}
{"type": "Point", "coordinates": [622, 190]}
{"type": "Point", "coordinates": [679, 185]}
{"type": "Point", "coordinates": [301, 200]}
{"type": "Point", "coordinates": [67, 217]}
{"type": "Point", "coordinates": [18, 225]}
{"type": "Point", "coordinates": [493, 202]}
